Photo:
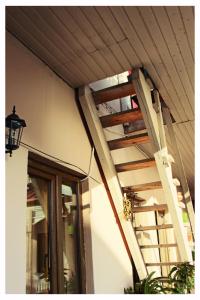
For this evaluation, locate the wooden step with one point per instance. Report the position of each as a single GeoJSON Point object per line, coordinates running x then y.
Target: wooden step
{"type": "Point", "coordinates": [149, 208]}
{"type": "Point", "coordinates": [135, 165]}
{"type": "Point", "coordinates": [158, 246]}
{"type": "Point", "coordinates": [143, 187]}
{"type": "Point", "coordinates": [113, 92]}
{"type": "Point", "coordinates": [153, 227]}
{"type": "Point", "coordinates": [163, 264]}
{"type": "Point", "coordinates": [128, 141]}
{"type": "Point", "coordinates": [130, 115]}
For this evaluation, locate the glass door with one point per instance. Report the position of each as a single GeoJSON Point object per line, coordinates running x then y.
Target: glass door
{"type": "Point", "coordinates": [52, 230]}
{"type": "Point", "coordinates": [37, 236]}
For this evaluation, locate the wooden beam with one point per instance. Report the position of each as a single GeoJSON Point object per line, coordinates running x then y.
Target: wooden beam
{"type": "Point", "coordinates": [121, 117]}
{"type": "Point", "coordinates": [149, 208]}
{"type": "Point", "coordinates": [153, 227]}
{"type": "Point", "coordinates": [135, 165]}
{"type": "Point", "coordinates": [163, 264]}
{"type": "Point", "coordinates": [171, 197]}
{"type": "Point", "coordinates": [181, 170]}
{"type": "Point", "coordinates": [143, 187]}
{"type": "Point", "coordinates": [108, 169]}
{"type": "Point", "coordinates": [163, 165]}
{"type": "Point", "coordinates": [128, 141]}
{"type": "Point", "coordinates": [113, 92]}
{"type": "Point", "coordinates": [143, 93]}
{"type": "Point", "coordinates": [158, 246]}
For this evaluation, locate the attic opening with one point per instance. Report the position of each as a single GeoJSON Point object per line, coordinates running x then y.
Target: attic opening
{"type": "Point", "coordinates": [116, 94]}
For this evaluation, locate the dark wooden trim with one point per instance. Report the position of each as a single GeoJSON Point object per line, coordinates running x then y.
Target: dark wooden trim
{"type": "Point", "coordinates": [135, 165]}
{"type": "Point", "coordinates": [81, 258]}
{"type": "Point", "coordinates": [149, 208]}
{"type": "Point", "coordinates": [143, 187]}
{"type": "Point", "coordinates": [153, 227]}
{"type": "Point", "coordinates": [43, 162]}
{"type": "Point", "coordinates": [59, 236]}
{"type": "Point", "coordinates": [113, 92]}
{"type": "Point", "coordinates": [121, 118]}
{"type": "Point", "coordinates": [128, 141]}
{"type": "Point", "coordinates": [158, 246]}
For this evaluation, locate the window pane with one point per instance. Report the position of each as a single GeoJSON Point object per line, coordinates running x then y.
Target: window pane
{"type": "Point", "coordinates": [37, 253]}
{"type": "Point", "coordinates": [70, 221]}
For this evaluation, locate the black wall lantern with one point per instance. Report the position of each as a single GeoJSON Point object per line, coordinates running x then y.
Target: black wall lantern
{"type": "Point", "coordinates": [14, 129]}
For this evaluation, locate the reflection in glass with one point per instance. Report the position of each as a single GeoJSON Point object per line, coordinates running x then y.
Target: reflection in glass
{"type": "Point", "coordinates": [37, 253]}
{"type": "Point", "coordinates": [69, 217]}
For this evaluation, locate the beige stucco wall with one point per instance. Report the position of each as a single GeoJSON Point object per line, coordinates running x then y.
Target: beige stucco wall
{"type": "Point", "coordinates": [54, 126]}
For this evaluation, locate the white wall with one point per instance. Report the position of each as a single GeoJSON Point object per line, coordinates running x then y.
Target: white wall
{"type": "Point", "coordinates": [54, 126]}
{"type": "Point", "coordinates": [16, 177]}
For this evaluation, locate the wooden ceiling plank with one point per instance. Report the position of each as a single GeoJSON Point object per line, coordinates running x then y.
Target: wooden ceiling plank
{"type": "Point", "coordinates": [182, 40]}
{"type": "Point", "coordinates": [48, 42]}
{"type": "Point", "coordinates": [84, 24]}
{"type": "Point", "coordinates": [182, 132]}
{"type": "Point", "coordinates": [72, 26]}
{"type": "Point", "coordinates": [119, 55]}
{"type": "Point", "coordinates": [54, 23]}
{"type": "Point", "coordinates": [187, 13]}
{"type": "Point", "coordinates": [121, 117]}
{"type": "Point", "coordinates": [55, 30]}
{"type": "Point", "coordinates": [139, 49]}
{"type": "Point", "coordinates": [24, 21]}
{"type": "Point", "coordinates": [111, 60]}
{"type": "Point", "coordinates": [136, 165]}
{"type": "Point", "coordinates": [166, 67]}
{"type": "Point", "coordinates": [173, 59]}
{"type": "Point", "coordinates": [58, 17]}
{"type": "Point", "coordinates": [53, 35]}
{"type": "Point", "coordinates": [98, 57]}
{"type": "Point", "coordinates": [110, 22]}
{"type": "Point", "coordinates": [32, 42]}
{"type": "Point", "coordinates": [36, 21]}
{"type": "Point", "coordinates": [98, 24]}
{"type": "Point", "coordinates": [180, 51]}
{"type": "Point", "coordinates": [130, 54]}
{"type": "Point", "coordinates": [41, 51]}
{"type": "Point", "coordinates": [128, 141]}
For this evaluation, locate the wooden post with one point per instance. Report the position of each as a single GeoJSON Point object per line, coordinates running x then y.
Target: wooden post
{"type": "Point", "coordinates": [180, 169]}
{"type": "Point", "coordinates": [162, 161]}
{"type": "Point", "coordinates": [101, 146]}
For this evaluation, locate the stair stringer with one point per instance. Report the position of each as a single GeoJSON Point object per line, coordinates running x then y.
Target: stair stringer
{"type": "Point", "coordinates": [156, 131]}
{"type": "Point", "coordinates": [101, 146]}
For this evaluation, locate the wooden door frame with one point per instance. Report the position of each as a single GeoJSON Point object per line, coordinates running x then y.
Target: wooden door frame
{"type": "Point", "coordinates": [52, 171]}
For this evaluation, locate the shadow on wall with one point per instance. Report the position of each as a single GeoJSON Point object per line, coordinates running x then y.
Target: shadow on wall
{"type": "Point", "coordinates": [110, 275]}
{"type": "Point", "coordinates": [108, 259]}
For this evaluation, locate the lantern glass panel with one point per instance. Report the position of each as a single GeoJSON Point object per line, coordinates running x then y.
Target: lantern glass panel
{"type": "Point", "coordinates": [13, 135]}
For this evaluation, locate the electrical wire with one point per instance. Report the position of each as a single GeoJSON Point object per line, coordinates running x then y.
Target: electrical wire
{"type": "Point", "coordinates": [64, 162]}
{"type": "Point", "coordinates": [90, 165]}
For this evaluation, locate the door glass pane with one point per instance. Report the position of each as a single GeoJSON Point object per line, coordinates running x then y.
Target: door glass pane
{"type": "Point", "coordinates": [69, 223]}
{"type": "Point", "coordinates": [37, 246]}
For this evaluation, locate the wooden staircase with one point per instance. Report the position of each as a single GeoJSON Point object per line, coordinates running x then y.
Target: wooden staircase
{"type": "Point", "coordinates": [153, 122]}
